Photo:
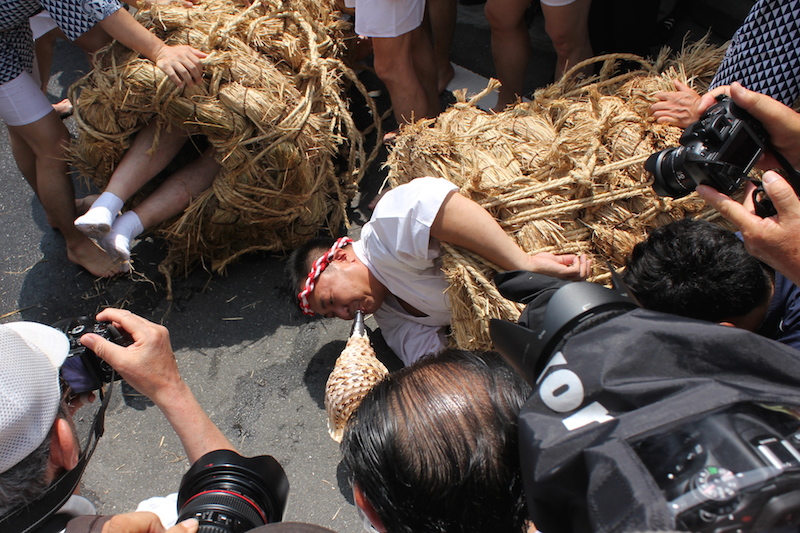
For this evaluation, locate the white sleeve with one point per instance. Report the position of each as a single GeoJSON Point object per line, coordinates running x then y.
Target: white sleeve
{"type": "Point", "coordinates": [411, 340]}
{"type": "Point", "coordinates": [165, 507]}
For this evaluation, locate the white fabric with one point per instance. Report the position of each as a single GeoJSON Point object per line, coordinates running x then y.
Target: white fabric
{"type": "Point", "coordinates": [397, 247]}
{"type": "Point", "coordinates": [166, 507]}
{"type": "Point", "coordinates": [387, 18]}
{"type": "Point", "coordinates": [557, 3]}
{"type": "Point", "coordinates": [30, 356]}
{"type": "Point", "coordinates": [42, 23]}
{"type": "Point", "coordinates": [22, 101]}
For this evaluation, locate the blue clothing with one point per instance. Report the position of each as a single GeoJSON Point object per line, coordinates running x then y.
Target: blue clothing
{"type": "Point", "coordinates": [74, 17]}
{"type": "Point", "coordinates": [782, 322]}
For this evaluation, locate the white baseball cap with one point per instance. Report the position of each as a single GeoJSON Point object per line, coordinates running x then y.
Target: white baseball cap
{"type": "Point", "coordinates": [31, 355]}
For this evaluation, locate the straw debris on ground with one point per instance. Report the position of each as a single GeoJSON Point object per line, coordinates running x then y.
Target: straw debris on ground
{"type": "Point", "coordinates": [562, 174]}
{"type": "Point", "coordinates": [271, 104]}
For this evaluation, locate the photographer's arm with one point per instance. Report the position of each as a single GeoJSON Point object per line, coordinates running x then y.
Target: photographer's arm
{"type": "Point", "coordinates": [462, 222]}
{"type": "Point", "coordinates": [149, 366]}
{"type": "Point", "coordinates": [774, 240]}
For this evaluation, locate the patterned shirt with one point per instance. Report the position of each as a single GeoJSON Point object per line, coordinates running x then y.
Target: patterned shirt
{"type": "Point", "coordinates": [764, 55]}
{"type": "Point", "coordinates": [74, 17]}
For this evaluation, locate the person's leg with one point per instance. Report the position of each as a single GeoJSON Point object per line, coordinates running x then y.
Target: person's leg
{"type": "Point", "coordinates": [170, 199]}
{"type": "Point", "coordinates": [443, 25]}
{"type": "Point", "coordinates": [394, 65]}
{"type": "Point", "coordinates": [45, 141]}
{"type": "Point", "coordinates": [424, 57]}
{"type": "Point", "coordinates": [511, 47]}
{"type": "Point", "coordinates": [568, 28]}
{"type": "Point", "coordinates": [138, 166]}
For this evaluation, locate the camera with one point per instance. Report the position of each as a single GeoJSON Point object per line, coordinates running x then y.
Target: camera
{"type": "Point", "coordinates": [725, 470]}
{"type": "Point", "coordinates": [718, 150]}
{"type": "Point", "coordinates": [83, 370]}
{"type": "Point", "coordinates": [645, 421]}
{"type": "Point", "coordinates": [228, 493]}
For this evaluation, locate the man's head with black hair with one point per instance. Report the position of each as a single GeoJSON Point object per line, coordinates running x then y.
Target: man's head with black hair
{"type": "Point", "coordinates": [433, 447]}
{"type": "Point", "coordinates": [700, 270]}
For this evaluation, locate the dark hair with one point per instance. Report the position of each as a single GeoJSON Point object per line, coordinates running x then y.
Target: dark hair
{"type": "Point", "coordinates": [697, 269]}
{"type": "Point", "coordinates": [301, 259]}
{"type": "Point", "coordinates": [433, 446]}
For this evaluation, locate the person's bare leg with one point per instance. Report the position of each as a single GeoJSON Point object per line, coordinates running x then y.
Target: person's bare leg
{"type": "Point", "coordinates": [443, 25]}
{"type": "Point", "coordinates": [137, 167]}
{"type": "Point", "coordinates": [170, 199]}
{"type": "Point", "coordinates": [511, 47]}
{"type": "Point", "coordinates": [424, 58]}
{"type": "Point", "coordinates": [394, 65]}
{"type": "Point", "coordinates": [568, 28]}
{"type": "Point", "coordinates": [46, 140]}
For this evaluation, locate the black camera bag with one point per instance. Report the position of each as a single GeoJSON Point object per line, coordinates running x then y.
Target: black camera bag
{"type": "Point", "coordinates": [624, 377]}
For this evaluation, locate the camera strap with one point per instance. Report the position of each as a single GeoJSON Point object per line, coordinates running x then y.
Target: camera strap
{"type": "Point", "coordinates": [29, 517]}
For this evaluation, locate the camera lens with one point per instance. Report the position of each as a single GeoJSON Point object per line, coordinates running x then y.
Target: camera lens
{"type": "Point", "coordinates": [228, 493]}
{"type": "Point", "coordinates": [670, 177]}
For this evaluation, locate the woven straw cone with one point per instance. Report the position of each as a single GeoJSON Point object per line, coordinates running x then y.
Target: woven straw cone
{"type": "Point", "coordinates": [271, 105]}
{"type": "Point", "coordinates": [356, 371]}
{"type": "Point", "coordinates": [562, 174]}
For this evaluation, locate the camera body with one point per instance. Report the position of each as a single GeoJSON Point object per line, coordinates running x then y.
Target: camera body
{"type": "Point", "coordinates": [734, 467]}
{"type": "Point", "coordinates": [83, 370]}
{"type": "Point", "coordinates": [718, 150]}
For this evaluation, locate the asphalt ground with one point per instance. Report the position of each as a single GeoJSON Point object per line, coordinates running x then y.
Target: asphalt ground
{"type": "Point", "coordinates": [256, 364]}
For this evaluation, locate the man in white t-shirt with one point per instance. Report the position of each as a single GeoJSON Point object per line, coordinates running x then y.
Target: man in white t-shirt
{"type": "Point", "coordinates": [394, 272]}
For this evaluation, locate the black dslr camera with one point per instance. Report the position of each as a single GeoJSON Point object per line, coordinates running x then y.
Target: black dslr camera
{"type": "Point", "coordinates": [83, 370]}
{"type": "Point", "coordinates": [228, 493]}
{"type": "Point", "coordinates": [718, 150]}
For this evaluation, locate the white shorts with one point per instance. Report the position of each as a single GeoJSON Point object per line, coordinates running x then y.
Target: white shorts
{"type": "Point", "coordinates": [387, 18]}
{"type": "Point", "coordinates": [22, 101]}
{"type": "Point", "coordinates": [41, 23]}
{"type": "Point", "coordinates": [556, 3]}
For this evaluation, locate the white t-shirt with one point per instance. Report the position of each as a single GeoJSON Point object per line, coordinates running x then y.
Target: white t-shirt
{"type": "Point", "coordinates": [397, 247]}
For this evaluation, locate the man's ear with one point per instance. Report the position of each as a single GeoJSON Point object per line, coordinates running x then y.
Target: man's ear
{"type": "Point", "coordinates": [64, 447]}
{"type": "Point", "coordinates": [363, 503]}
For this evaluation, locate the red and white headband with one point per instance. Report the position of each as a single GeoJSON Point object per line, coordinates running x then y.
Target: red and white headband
{"type": "Point", "coordinates": [316, 269]}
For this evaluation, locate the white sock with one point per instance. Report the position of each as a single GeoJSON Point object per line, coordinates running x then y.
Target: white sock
{"type": "Point", "coordinates": [117, 243]}
{"type": "Point", "coordinates": [97, 221]}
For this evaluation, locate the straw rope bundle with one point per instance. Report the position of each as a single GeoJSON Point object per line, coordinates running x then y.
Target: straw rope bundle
{"type": "Point", "coordinates": [270, 104]}
{"type": "Point", "coordinates": [561, 174]}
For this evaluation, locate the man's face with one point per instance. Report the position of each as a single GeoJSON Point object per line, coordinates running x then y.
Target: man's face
{"type": "Point", "coordinates": [343, 288]}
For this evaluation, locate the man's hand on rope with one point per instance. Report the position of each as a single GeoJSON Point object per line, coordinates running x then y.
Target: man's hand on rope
{"type": "Point", "coordinates": [678, 107]}
{"type": "Point", "coordinates": [568, 266]}
{"type": "Point", "coordinates": [181, 63]}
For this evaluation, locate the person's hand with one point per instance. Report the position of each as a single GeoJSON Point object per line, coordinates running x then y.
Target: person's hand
{"type": "Point", "coordinates": [148, 364]}
{"type": "Point", "coordinates": [774, 240]}
{"type": "Point", "coordinates": [568, 266]}
{"type": "Point", "coordinates": [181, 63]}
{"type": "Point", "coordinates": [146, 522]}
{"type": "Point", "coordinates": [781, 122]}
{"type": "Point", "coordinates": [678, 107]}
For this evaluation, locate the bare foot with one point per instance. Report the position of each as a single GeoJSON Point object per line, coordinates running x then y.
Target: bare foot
{"type": "Point", "coordinates": [82, 205]}
{"type": "Point", "coordinates": [64, 108]}
{"type": "Point", "coordinates": [88, 255]}
{"type": "Point", "coordinates": [446, 75]}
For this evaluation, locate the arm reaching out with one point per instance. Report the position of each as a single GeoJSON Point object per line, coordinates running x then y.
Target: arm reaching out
{"type": "Point", "coordinates": [149, 366]}
{"type": "Point", "coordinates": [465, 223]}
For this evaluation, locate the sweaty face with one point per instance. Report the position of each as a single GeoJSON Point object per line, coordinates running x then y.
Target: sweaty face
{"type": "Point", "coordinates": [343, 288]}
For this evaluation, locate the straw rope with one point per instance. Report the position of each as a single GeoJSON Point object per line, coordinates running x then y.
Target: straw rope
{"type": "Point", "coordinates": [563, 173]}
{"type": "Point", "coordinates": [271, 104]}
